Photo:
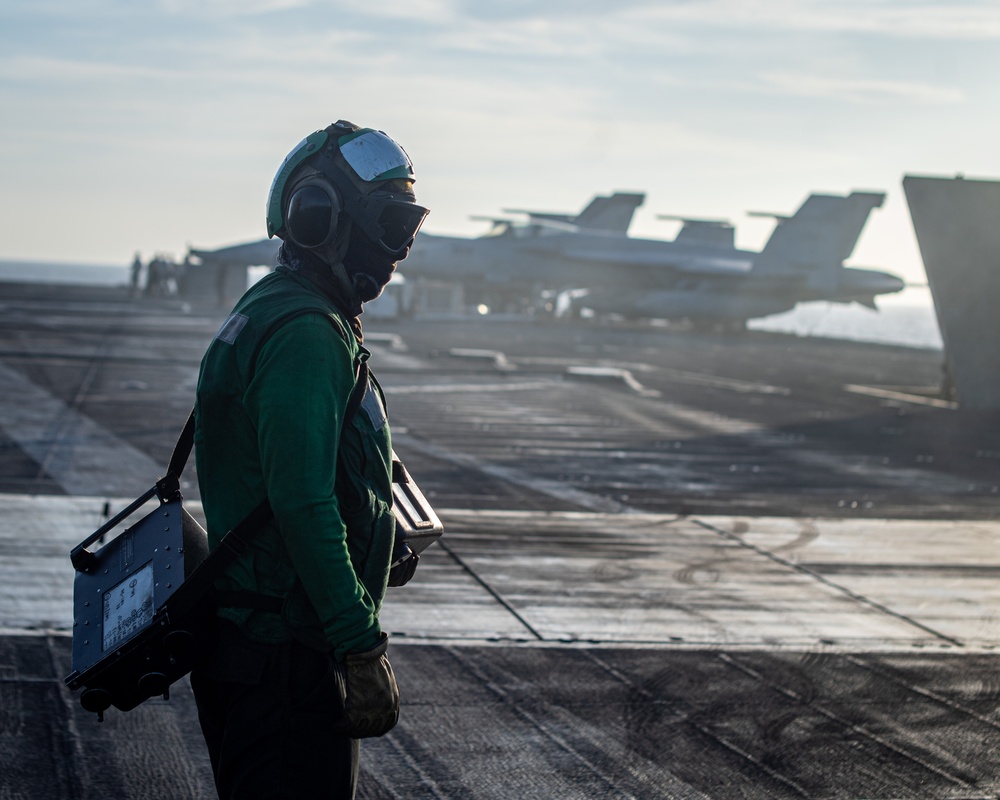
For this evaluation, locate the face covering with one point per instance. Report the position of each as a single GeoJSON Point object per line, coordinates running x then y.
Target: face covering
{"type": "Point", "coordinates": [368, 266]}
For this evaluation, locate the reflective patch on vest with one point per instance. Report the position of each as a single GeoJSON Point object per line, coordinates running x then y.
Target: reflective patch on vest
{"type": "Point", "coordinates": [231, 328]}
{"type": "Point", "coordinates": [372, 406]}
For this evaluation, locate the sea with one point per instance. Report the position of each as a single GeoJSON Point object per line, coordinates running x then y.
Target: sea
{"type": "Point", "coordinates": [906, 319]}
{"type": "Point", "coordinates": [64, 273]}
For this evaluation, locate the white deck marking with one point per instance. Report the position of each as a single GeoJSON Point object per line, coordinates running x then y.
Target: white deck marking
{"type": "Point", "coordinates": [81, 456]}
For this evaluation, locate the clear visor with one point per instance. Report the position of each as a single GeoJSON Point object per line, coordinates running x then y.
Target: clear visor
{"type": "Point", "coordinates": [373, 155]}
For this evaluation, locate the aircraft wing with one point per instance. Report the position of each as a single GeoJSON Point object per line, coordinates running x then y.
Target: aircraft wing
{"type": "Point", "coordinates": [251, 254]}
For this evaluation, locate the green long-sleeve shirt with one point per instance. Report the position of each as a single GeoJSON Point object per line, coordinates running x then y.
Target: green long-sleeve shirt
{"type": "Point", "coordinates": [272, 395]}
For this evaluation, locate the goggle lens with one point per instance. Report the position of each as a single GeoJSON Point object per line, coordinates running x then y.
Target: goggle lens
{"type": "Point", "coordinates": [400, 222]}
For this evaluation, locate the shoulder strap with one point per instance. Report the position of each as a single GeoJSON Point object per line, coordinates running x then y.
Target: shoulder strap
{"type": "Point", "coordinates": [179, 456]}
{"type": "Point", "coordinates": [167, 489]}
{"type": "Point", "coordinates": [232, 545]}
{"type": "Point", "coordinates": [357, 394]}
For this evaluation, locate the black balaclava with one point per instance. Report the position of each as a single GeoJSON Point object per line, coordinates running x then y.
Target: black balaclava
{"type": "Point", "coordinates": [368, 266]}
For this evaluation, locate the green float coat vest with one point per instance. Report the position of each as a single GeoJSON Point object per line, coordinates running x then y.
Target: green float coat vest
{"type": "Point", "coordinates": [272, 395]}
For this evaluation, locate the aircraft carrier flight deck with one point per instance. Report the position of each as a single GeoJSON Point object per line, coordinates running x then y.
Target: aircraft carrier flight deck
{"type": "Point", "coordinates": [675, 564]}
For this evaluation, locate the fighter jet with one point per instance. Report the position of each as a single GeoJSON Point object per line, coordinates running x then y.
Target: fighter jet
{"type": "Point", "coordinates": [700, 275]}
{"type": "Point", "coordinates": [587, 260]}
{"type": "Point", "coordinates": [607, 214]}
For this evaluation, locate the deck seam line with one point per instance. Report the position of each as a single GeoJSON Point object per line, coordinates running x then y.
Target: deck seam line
{"type": "Point", "coordinates": [857, 598]}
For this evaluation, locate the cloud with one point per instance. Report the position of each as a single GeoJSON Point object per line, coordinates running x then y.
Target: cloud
{"type": "Point", "coordinates": [228, 8]}
{"type": "Point", "coordinates": [713, 104]}
{"type": "Point", "coordinates": [861, 90]}
{"type": "Point", "coordinates": [439, 12]}
{"type": "Point", "coordinates": [54, 70]}
{"type": "Point", "coordinates": [594, 20]}
{"type": "Point", "coordinates": [931, 20]}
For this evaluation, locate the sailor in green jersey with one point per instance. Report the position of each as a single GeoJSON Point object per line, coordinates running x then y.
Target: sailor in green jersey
{"type": "Point", "coordinates": [288, 411]}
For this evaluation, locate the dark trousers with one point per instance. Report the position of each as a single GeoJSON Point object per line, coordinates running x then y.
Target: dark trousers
{"type": "Point", "coordinates": [268, 714]}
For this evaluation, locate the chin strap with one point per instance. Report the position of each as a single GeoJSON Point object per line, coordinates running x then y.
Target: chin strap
{"type": "Point", "coordinates": [366, 286]}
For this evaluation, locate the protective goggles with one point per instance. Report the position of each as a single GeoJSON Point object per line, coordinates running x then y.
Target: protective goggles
{"type": "Point", "coordinates": [388, 220]}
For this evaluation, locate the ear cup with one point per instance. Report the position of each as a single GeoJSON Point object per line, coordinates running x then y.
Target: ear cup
{"type": "Point", "coordinates": [312, 215]}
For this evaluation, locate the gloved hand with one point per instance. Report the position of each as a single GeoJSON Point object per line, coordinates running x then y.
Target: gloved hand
{"type": "Point", "coordinates": [404, 564]}
{"type": "Point", "coordinates": [371, 697]}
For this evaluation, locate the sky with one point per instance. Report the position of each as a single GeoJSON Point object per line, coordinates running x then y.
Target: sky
{"type": "Point", "coordinates": [159, 125]}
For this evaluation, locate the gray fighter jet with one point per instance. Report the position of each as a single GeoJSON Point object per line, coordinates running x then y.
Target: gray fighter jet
{"type": "Point", "coordinates": [700, 276]}
{"type": "Point", "coordinates": [605, 214]}
{"type": "Point", "coordinates": [566, 262]}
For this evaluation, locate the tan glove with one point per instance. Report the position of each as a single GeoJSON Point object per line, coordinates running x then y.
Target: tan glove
{"type": "Point", "coordinates": [371, 697]}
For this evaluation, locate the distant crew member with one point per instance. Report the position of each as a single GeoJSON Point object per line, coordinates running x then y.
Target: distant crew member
{"type": "Point", "coordinates": [286, 409]}
{"type": "Point", "coordinates": [135, 276]}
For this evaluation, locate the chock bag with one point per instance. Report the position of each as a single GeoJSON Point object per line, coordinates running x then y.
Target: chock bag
{"type": "Point", "coordinates": [143, 615]}
{"type": "Point", "coordinates": [141, 612]}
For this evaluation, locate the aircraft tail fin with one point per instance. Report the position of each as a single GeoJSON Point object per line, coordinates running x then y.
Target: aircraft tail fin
{"type": "Point", "coordinates": [612, 213]}
{"type": "Point", "coordinates": [711, 232]}
{"type": "Point", "coordinates": [604, 213]}
{"type": "Point", "coordinates": [820, 236]}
